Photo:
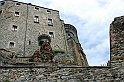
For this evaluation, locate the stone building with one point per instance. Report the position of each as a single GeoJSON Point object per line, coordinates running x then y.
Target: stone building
{"type": "Point", "coordinates": [22, 23]}
{"type": "Point", "coordinates": [117, 38]}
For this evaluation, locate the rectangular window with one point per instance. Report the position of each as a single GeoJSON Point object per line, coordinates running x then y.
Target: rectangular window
{"type": "Point", "coordinates": [16, 13]}
{"type": "Point", "coordinates": [48, 11]}
{"type": "Point", "coordinates": [50, 22]}
{"type": "Point", "coordinates": [14, 28]}
{"type": "Point", "coordinates": [51, 34]}
{"type": "Point", "coordinates": [36, 19]}
{"type": "Point", "coordinates": [11, 45]}
{"type": "Point", "coordinates": [0, 12]}
{"type": "Point", "coordinates": [36, 8]}
{"type": "Point", "coordinates": [29, 42]}
{"type": "Point", "coordinates": [17, 4]}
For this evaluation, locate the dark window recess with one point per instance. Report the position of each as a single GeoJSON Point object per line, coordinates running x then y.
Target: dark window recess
{"type": "Point", "coordinates": [0, 12]}
{"type": "Point", "coordinates": [48, 11]}
{"type": "Point", "coordinates": [29, 42]}
{"type": "Point", "coordinates": [18, 4]}
{"type": "Point", "coordinates": [36, 19]}
{"type": "Point", "coordinates": [16, 13]}
{"type": "Point", "coordinates": [51, 34]}
{"type": "Point", "coordinates": [36, 8]}
{"type": "Point", "coordinates": [69, 36]}
{"type": "Point", "coordinates": [50, 22]}
{"type": "Point", "coordinates": [14, 28]}
{"type": "Point", "coordinates": [11, 45]}
{"type": "Point", "coordinates": [2, 3]}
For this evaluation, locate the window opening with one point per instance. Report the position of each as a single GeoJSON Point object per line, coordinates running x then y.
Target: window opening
{"type": "Point", "coordinates": [16, 13]}
{"type": "Point", "coordinates": [18, 4]}
{"type": "Point", "coordinates": [36, 19]}
{"type": "Point", "coordinates": [69, 36]}
{"type": "Point", "coordinates": [48, 11]}
{"type": "Point", "coordinates": [14, 28]}
{"type": "Point", "coordinates": [29, 42]}
{"type": "Point", "coordinates": [50, 22]}
{"type": "Point", "coordinates": [11, 45]}
{"type": "Point", "coordinates": [2, 3]}
{"type": "Point", "coordinates": [36, 8]}
{"type": "Point", "coordinates": [51, 34]}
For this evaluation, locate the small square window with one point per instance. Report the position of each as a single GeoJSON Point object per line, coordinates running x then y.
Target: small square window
{"type": "Point", "coordinates": [0, 12]}
{"type": "Point", "coordinates": [48, 11]}
{"type": "Point", "coordinates": [14, 28]}
{"type": "Point", "coordinates": [36, 19]}
{"type": "Point", "coordinates": [51, 34]}
{"type": "Point", "coordinates": [50, 22]}
{"type": "Point", "coordinates": [36, 8]}
{"type": "Point", "coordinates": [2, 3]}
{"type": "Point", "coordinates": [11, 45]}
{"type": "Point", "coordinates": [16, 13]}
{"type": "Point", "coordinates": [17, 4]}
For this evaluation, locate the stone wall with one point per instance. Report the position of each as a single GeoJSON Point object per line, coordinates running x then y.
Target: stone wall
{"type": "Point", "coordinates": [30, 21]}
{"type": "Point", "coordinates": [64, 74]}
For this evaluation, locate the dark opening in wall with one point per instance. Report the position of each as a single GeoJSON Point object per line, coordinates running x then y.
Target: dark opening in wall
{"type": "Point", "coordinates": [51, 34]}
{"type": "Point", "coordinates": [50, 22]}
{"type": "Point", "coordinates": [29, 42]}
{"type": "Point", "coordinates": [11, 45]}
{"type": "Point", "coordinates": [16, 13]}
{"type": "Point", "coordinates": [18, 4]}
{"type": "Point", "coordinates": [14, 28]}
{"type": "Point", "coordinates": [2, 3]}
{"type": "Point", "coordinates": [48, 11]}
{"type": "Point", "coordinates": [36, 8]}
{"type": "Point", "coordinates": [36, 19]}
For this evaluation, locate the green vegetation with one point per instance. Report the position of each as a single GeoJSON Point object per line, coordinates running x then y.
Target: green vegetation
{"type": "Point", "coordinates": [7, 80]}
{"type": "Point", "coordinates": [75, 62]}
{"type": "Point", "coordinates": [68, 54]}
{"type": "Point", "coordinates": [58, 51]}
{"type": "Point", "coordinates": [62, 62]}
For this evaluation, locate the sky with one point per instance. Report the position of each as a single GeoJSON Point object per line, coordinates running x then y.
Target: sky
{"type": "Point", "coordinates": [92, 19]}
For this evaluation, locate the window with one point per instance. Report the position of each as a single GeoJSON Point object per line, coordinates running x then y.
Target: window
{"type": "Point", "coordinates": [29, 42]}
{"type": "Point", "coordinates": [48, 11]}
{"type": "Point", "coordinates": [69, 35]}
{"type": "Point", "coordinates": [51, 34]}
{"type": "Point", "coordinates": [50, 22]}
{"type": "Point", "coordinates": [0, 12]}
{"type": "Point", "coordinates": [2, 3]}
{"type": "Point", "coordinates": [36, 19]}
{"type": "Point", "coordinates": [14, 28]}
{"type": "Point", "coordinates": [16, 13]}
{"type": "Point", "coordinates": [11, 45]}
{"type": "Point", "coordinates": [17, 4]}
{"type": "Point", "coordinates": [36, 8]}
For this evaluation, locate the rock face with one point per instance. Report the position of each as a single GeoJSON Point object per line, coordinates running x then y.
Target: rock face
{"type": "Point", "coordinates": [45, 54]}
{"type": "Point", "coordinates": [7, 57]}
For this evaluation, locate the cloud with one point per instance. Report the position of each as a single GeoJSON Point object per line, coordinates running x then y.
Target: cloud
{"type": "Point", "coordinates": [92, 19]}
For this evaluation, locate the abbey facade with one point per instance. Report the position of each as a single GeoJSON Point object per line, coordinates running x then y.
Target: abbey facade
{"type": "Point", "coordinates": [22, 23]}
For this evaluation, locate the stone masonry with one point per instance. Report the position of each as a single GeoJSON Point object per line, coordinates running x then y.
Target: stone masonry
{"type": "Point", "coordinates": [53, 73]}
{"type": "Point", "coordinates": [22, 23]}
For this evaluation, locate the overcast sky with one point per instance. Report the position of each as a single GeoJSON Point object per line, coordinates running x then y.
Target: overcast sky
{"type": "Point", "coordinates": [92, 19]}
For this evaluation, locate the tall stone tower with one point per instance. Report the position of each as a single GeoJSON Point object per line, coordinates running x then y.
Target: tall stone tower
{"type": "Point", "coordinates": [117, 39]}
{"type": "Point", "coordinates": [22, 23]}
